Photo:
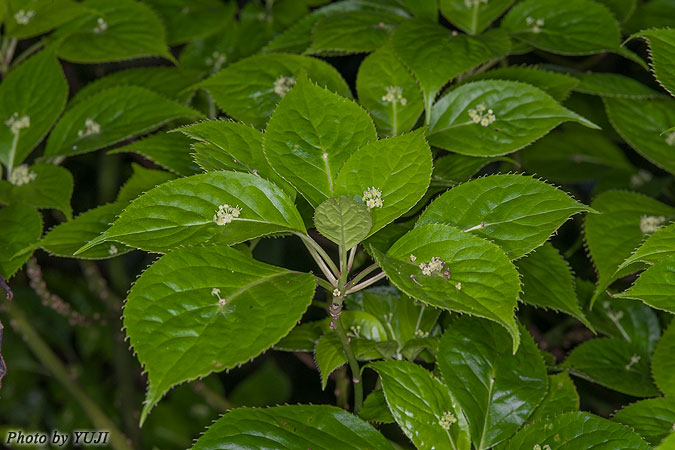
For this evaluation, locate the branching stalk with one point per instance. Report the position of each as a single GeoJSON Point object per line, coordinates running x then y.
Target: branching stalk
{"type": "Point", "coordinates": [365, 284]}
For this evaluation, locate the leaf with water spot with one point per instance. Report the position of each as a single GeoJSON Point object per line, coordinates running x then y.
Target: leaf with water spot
{"type": "Point", "coordinates": [220, 309]}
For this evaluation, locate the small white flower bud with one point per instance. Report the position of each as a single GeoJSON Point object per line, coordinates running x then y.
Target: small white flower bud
{"type": "Point", "coordinates": [283, 84]}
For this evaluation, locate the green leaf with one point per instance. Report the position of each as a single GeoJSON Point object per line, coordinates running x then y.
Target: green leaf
{"type": "Point", "coordinates": [574, 155]}
{"type": "Point", "coordinates": [399, 168]}
{"type": "Point", "coordinates": [658, 246]}
{"type": "Point", "coordinates": [653, 418]}
{"type": "Point", "coordinates": [183, 212]}
{"type": "Point", "coordinates": [646, 135]}
{"type": "Point", "coordinates": [554, 26]}
{"type": "Point", "coordinates": [168, 150]}
{"type": "Point", "coordinates": [66, 238]}
{"type": "Point", "coordinates": [249, 90]}
{"type": "Point", "coordinates": [343, 221]}
{"type": "Point", "coordinates": [171, 82]}
{"type": "Point", "coordinates": [141, 180]}
{"type": "Point", "coordinates": [268, 385]}
{"type": "Point", "coordinates": [28, 18]}
{"type": "Point", "coordinates": [578, 430]}
{"type": "Point", "coordinates": [557, 85]}
{"type": "Point", "coordinates": [496, 390]}
{"type": "Point", "coordinates": [46, 186]}
{"type": "Point", "coordinates": [612, 85]}
{"type": "Point", "coordinates": [329, 353]}
{"type": "Point", "coordinates": [652, 14]}
{"type": "Point", "coordinates": [668, 443]}
{"type": "Point", "coordinates": [424, 46]}
{"type": "Point", "coordinates": [655, 286]}
{"type": "Point", "coordinates": [21, 226]}
{"type": "Point", "coordinates": [477, 277]}
{"type": "Point", "coordinates": [453, 169]}
{"type": "Point", "coordinates": [663, 364]}
{"type": "Point", "coordinates": [375, 408]}
{"type": "Point", "coordinates": [561, 397]}
{"type": "Point", "coordinates": [319, 427]}
{"type": "Point", "coordinates": [422, 406]}
{"type": "Point", "coordinates": [516, 212]}
{"type": "Point", "coordinates": [311, 135]}
{"type": "Point", "coordinates": [96, 122]}
{"type": "Point", "coordinates": [473, 16]}
{"type": "Point", "coordinates": [494, 117]}
{"type": "Point", "coordinates": [380, 80]}
{"type": "Point", "coordinates": [233, 146]}
{"type": "Point", "coordinates": [197, 19]}
{"type": "Point", "coordinates": [302, 338]}
{"type": "Point", "coordinates": [548, 282]}
{"type": "Point", "coordinates": [221, 309]}
{"type": "Point", "coordinates": [622, 9]}
{"type": "Point", "coordinates": [612, 235]}
{"type": "Point", "coordinates": [630, 320]}
{"type": "Point", "coordinates": [615, 364]}
{"type": "Point", "coordinates": [352, 32]}
{"type": "Point", "coordinates": [404, 318]}
{"type": "Point", "coordinates": [34, 93]}
{"type": "Point", "coordinates": [112, 31]}
{"type": "Point", "coordinates": [662, 53]}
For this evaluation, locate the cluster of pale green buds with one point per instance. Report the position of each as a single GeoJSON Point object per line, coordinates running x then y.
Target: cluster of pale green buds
{"type": "Point", "coordinates": [670, 138]}
{"type": "Point", "coordinates": [474, 3]}
{"type": "Point", "coordinates": [539, 447]}
{"type": "Point", "coordinates": [372, 197]}
{"type": "Point", "coordinates": [90, 127]}
{"type": "Point", "coordinates": [421, 334]}
{"type": "Point", "coordinates": [216, 60]}
{"type": "Point", "coordinates": [226, 214]}
{"type": "Point", "coordinates": [101, 25]}
{"type": "Point", "coordinates": [649, 224]}
{"type": "Point", "coordinates": [283, 84]}
{"type": "Point", "coordinates": [16, 123]}
{"type": "Point", "coordinates": [482, 115]}
{"type": "Point", "coordinates": [446, 420]}
{"type": "Point", "coordinates": [22, 175]}
{"type": "Point", "coordinates": [23, 17]}
{"type": "Point", "coordinates": [537, 24]}
{"type": "Point", "coordinates": [633, 360]}
{"type": "Point", "coordinates": [394, 95]}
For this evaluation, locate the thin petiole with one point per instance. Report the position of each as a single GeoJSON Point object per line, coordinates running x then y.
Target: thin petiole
{"type": "Point", "coordinates": [366, 283]}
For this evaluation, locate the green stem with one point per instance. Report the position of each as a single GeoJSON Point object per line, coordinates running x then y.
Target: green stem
{"type": "Point", "coordinates": [49, 360]}
{"type": "Point", "coordinates": [353, 363]}
{"type": "Point", "coordinates": [361, 275]}
{"type": "Point", "coordinates": [309, 242]}
{"type": "Point", "coordinates": [365, 284]}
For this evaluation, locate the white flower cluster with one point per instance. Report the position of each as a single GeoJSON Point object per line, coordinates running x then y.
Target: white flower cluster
{"type": "Point", "coordinates": [226, 214]}
{"type": "Point", "coordinates": [670, 139]}
{"type": "Point", "coordinates": [394, 95]}
{"type": "Point", "coordinates": [640, 178]}
{"type": "Point", "coordinates": [435, 265]}
{"type": "Point", "coordinates": [372, 197]}
{"type": "Point", "coordinates": [22, 175]}
{"type": "Point", "coordinates": [337, 293]}
{"type": "Point", "coordinates": [216, 293]}
{"type": "Point", "coordinates": [539, 447]}
{"type": "Point", "coordinates": [283, 84]}
{"type": "Point", "coordinates": [23, 17]}
{"type": "Point", "coordinates": [447, 420]}
{"type": "Point", "coordinates": [216, 60]}
{"type": "Point", "coordinates": [633, 360]}
{"type": "Point", "coordinates": [421, 334]}
{"type": "Point", "coordinates": [482, 115]}
{"type": "Point", "coordinates": [649, 224]}
{"type": "Point", "coordinates": [16, 123]}
{"type": "Point", "coordinates": [90, 127]}
{"type": "Point", "coordinates": [112, 251]}
{"type": "Point", "coordinates": [474, 3]}
{"type": "Point", "coordinates": [101, 25]}
{"type": "Point", "coordinates": [537, 24]}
